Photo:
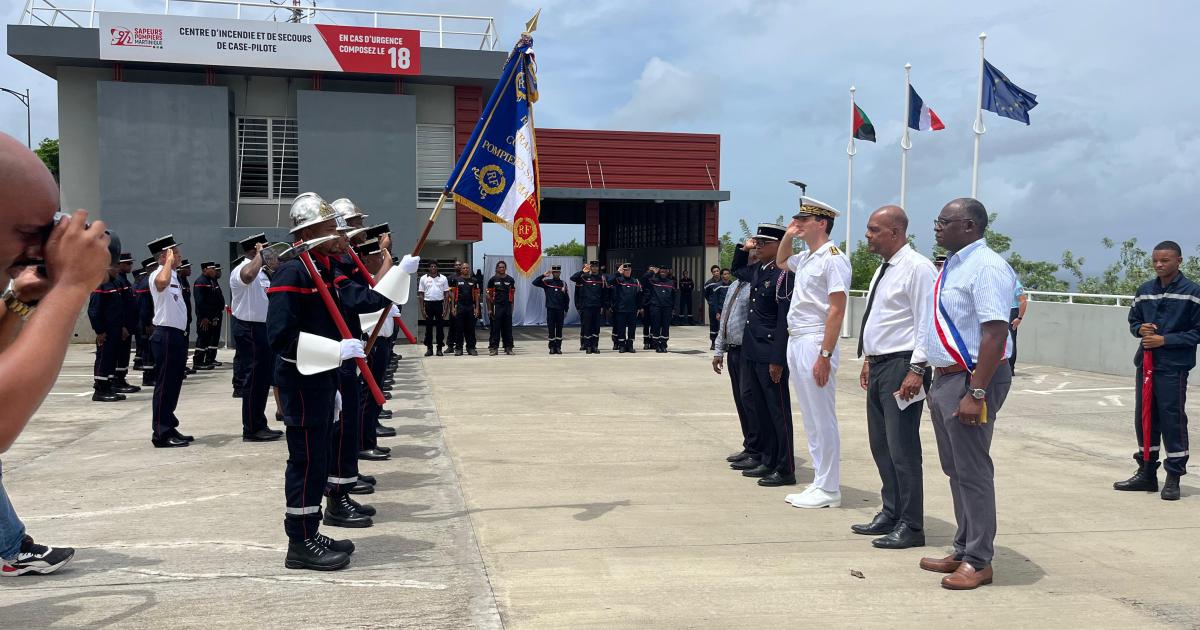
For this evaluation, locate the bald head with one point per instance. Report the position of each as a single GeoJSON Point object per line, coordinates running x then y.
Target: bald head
{"type": "Point", "coordinates": [887, 231]}
{"type": "Point", "coordinates": [28, 201]}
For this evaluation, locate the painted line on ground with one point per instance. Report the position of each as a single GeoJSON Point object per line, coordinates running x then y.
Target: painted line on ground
{"type": "Point", "coordinates": [290, 579]}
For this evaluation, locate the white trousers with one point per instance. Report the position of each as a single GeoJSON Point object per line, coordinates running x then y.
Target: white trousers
{"type": "Point", "coordinates": [818, 408]}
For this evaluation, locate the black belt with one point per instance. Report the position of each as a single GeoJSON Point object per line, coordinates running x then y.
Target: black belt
{"type": "Point", "coordinates": [880, 358]}
{"type": "Point", "coordinates": [731, 347]}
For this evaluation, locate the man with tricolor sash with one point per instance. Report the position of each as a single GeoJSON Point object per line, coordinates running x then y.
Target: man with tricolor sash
{"type": "Point", "coordinates": [1165, 316]}
{"type": "Point", "coordinates": [968, 351]}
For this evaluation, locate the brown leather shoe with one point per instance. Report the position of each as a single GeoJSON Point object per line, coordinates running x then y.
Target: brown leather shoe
{"type": "Point", "coordinates": [949, 564]}
{"type": "Point", "coordinates": [966, 578]}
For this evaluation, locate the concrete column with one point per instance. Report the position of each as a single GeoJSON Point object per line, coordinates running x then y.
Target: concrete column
{"type": "Point", "coordinates": [591, 228]}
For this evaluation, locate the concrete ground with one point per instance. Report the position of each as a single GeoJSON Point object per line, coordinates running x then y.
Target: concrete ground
{"type": "Point", "coordinates": [585, 491]}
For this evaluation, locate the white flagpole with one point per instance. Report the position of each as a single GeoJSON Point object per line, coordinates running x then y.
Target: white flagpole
{"type": "Point", "coordinates": [978, 126]}
{"type": "Point", "coordinates": [905, 143]}
{"type": "Point", "coordinates": [850, 151]}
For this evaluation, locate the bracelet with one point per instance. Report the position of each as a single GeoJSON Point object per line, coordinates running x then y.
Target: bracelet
{"type": "Point", "coordinates": [916, 369]}
{"type": "Point", "coordinates": [15, 305]}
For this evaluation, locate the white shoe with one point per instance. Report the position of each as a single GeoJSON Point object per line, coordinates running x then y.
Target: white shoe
{"type": "Point", "coordinates": [818, 498]}
{"type": "Point", "coordinates": [792, 498]}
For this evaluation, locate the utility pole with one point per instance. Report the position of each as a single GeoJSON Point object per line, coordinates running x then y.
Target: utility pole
{"type": "Point", "coordinates": [24, 98]}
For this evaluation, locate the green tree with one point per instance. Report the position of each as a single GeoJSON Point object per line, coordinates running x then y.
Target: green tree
{"type": "Point", "coordinates": [725, 250]}
{"type": "Point", "coordinates": [570, 248]}
{"type": "Point", "coordinates": [48, 151]}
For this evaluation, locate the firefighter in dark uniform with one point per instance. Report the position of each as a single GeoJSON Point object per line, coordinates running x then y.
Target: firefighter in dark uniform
{"type": "Point", "coordinates": [145, 309]}
{"type": "Point", "coordinates": [626, 304]}
{"type": "Point", "coordinates": [687, 286]}
{"type": "Point", "coordinates": [501, 290]}
{"type": "Point", "coordinates": [661, 304]}
{"type": "Point", "coordinates": [590, 300]}
{"type": "Point", "coordinates": [107, 315]}
{"type": "Point", "coordinates": [210, 307]}
{"type": "Point", "coordinates": [1165, 315]}
{"type": "Point", "coordinates": [557, 303]}
{"type": "Point", "coordinates": [368, 419]}
{"type": "Point", "coordinates": [764, 354]}
{"type": "Point", "coordinates": [120, 384]}
{"type": "Point", "coordinates": [464, 302]}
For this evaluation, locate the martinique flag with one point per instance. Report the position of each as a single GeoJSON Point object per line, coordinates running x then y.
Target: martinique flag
{"type": "Point", "coordinates": [1004, 97]}
{"type": "Point", "coordinates": [497, 174]}
{"type": "Point", "coordinates": [863, 129]}
{"type": "Point", "coordinates": [920, 116]}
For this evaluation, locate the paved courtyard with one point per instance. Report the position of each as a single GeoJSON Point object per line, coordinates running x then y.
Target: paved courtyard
{"type": "Point", "coordinates": [583, 491]}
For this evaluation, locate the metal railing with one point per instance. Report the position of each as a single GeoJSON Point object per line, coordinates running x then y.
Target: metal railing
{"type": "Point", "coordinates": [1102, 299]}
{"type": "Point", "coordinates": [452, 31]}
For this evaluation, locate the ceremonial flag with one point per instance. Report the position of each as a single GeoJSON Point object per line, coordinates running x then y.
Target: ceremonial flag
{"type": "Point", "coordinates": [497, 174]}
{"type": "Point", "coordinates": [920, 116]}
{"type": "Point", "coordinates": [863, 129]}
{"type": "Point", "coordinates": [1004, 97]}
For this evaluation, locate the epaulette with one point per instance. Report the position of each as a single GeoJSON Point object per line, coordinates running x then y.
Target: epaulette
{"type": "Point", "coordinates": [834, 250]}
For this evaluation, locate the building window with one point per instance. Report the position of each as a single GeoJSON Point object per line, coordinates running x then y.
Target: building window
{"type": "Point", "coordinates": [268, 160]}
{"type": "Point", "coordinates": [435, 160]}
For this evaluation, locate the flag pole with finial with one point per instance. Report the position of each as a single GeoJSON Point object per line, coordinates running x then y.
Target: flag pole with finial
{"type": "Point", "coordinates": [978, 127]}
{"type": "Point", "coordinates": [850, 151]}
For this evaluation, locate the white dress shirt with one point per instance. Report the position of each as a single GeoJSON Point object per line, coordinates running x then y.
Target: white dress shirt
{"type": "Point", "coordinates": [169, 308]}
{"type": "Point", "coordinates": [249, 303]}
{"type": "Point", "coordinates": [903, 303]}
{"type": "Point", "coordinates": [978, 287]}
{"type": "Point", "coordinates": [434, 288]}
{"type": "Point", "coordinates": [818, 273]}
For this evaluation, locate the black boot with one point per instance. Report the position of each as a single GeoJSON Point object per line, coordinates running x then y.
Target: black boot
{"type": "Point", "coordinates": [629, 347]}
{"type": "Point", "coordinates": [121, 386]}
{"type": "Point", "coordinates": [1144, 480]}
{"type": "Point", "coordinates": [368, 510]}
{"type": "Point", "coordinates": [339, 512]}
{"type": "Point", "coordinates": [1170, 491]}
{"type": "Point", "coordinates": [311, 554]}
{"type": "Point", "coordinates": [102, 393]}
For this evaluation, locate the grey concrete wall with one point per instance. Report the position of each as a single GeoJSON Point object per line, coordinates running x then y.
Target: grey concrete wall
{"type": "Point", "coordinates": [347, 141]}
{"type": "Point", "coordinates": [165, 166]}
{"type": "Point", "coordinates": [78, 137]}
{"type": "Point", "coordinates": [1072, 336]}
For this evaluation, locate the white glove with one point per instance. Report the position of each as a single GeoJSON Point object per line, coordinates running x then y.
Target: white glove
{"type": "Point", "coordinates": [352, 349]}
{"type": "Point", "coordinates": [337, 406]}
{"type": "Point", "coordinates": [410, 264]}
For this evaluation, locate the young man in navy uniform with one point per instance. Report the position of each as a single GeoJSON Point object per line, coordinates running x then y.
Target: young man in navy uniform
{"type": "Point", "coordinates": [626, 305]}
{"type": "Point", "coordinates": [210, 308]}
{"type": "Point", "coordinates": [557, 303]}
{"type": "Point", "coordinates": [1165, 315]}
{"type": "Point", "coordinates": [590, 286]}
{"type": "Point", "coordinates": [501, 290]}
{"type": "Point", "coordinates": [168, 342]}
{"type": "Point", "coordinates": [764, 355]}
{"type": "Point", "coordinates": [661, 304]}
{"type": "Point", "coordinates": [107, 316]}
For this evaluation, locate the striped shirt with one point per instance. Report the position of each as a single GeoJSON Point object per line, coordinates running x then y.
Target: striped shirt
{"type": "Point", "coordinates": [978, 288]}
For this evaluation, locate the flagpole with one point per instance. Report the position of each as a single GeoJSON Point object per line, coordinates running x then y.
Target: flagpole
{"type": "Point", "coordinates": [978, 127]}
{"type": "Point", "coordinates": [850, 151]}
{"type": "Point", "coordinates": [905, 143]}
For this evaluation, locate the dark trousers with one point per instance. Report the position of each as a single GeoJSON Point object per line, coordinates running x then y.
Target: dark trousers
{"type": "Point", "coordinates": [1012, 357]}
{"type": "Point", "coordinates": [169, 346]}
{"type": "Point", "coordinates": [685, 305]}
{"type": "Point", "coordinates": [149, 373]}
{"type": "Point", "coordinates": [462, 327]}
{"type": "Point", "coordinates": [122, 360]}
{"type": "Point", "coordinates": [589, 326]}
{"type": "Point", "coordinates": [104, 366]}
{"type": "Point", "coordinates": [207, 341]}
{"type": "Point", "coordinates": [435, 317]}
{"type": "Point", "coordinates": [259, 363]}
{"type": "Point", "coordinates": [770, 404]}
{"type": "Point", "coordinates": [368, 409]}
{"type": "Point", "coordinates": [308, 416]}
{"type": "Point", "coordinates": [554, 325]}
{"type": "Point", "coordinates": [454, 337]}
{"type": "Point", "coordinates": [139, 350]}
{"type": "Point", "coordinates": [501, 326]}
{"type": "Point", "coordinates": [750, 438]}
{"type": "Point", "coordinates": [346, 437]}
{"type": "Point", "coordinates": [964, 453]}
{"type": "Point", "coordinates": [646, 325]}
{"type": "Point", "coordinates": [895, 438]}
{"type": "Point", "coordinates": [241, 354]}
{"type": "Point", "coordinates": [714, 324]}
{"type": "Point", "coordinates": [660, 324]}
{"type": "Point", "coordinates": [625, 328]}
{"type": "Point", "coordinates": [1168, 419]}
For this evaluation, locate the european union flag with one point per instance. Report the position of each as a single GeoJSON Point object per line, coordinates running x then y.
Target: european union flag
{"type": "Point", "coordinates": [1004, 97]}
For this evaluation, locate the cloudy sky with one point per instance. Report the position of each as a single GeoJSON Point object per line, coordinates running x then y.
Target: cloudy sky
{"type": "Point", "coordinates": [1113, 149]}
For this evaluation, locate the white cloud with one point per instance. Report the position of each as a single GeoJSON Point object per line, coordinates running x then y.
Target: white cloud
{"type": "Point", "coordinates": [664, 96]}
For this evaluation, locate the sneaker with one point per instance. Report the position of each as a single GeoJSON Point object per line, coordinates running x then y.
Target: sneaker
{"type": "Point", "coordinates": [819, 498]}
{"type": "Point", "coordinates": [39, 559]}
{"type": "Point", "coordinates": [792, 498]}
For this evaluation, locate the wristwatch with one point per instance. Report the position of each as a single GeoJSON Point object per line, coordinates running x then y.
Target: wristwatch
{"type": "Point", "coordinates": [977, 394]}
{"type": "Point", "coordinates": [15, 305]}
{"type": "Point", "coordinates": [825, 354]}
{"type": "Point", "coordinates": [919, 370]}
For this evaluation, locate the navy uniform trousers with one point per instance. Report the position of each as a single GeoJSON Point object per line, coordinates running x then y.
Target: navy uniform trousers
{"type": "Point", "coordinates": [257, 364]}
{"type": "Point", "coordinates": [770, 404]}
{"type": "Point", "coordinates": [346, 437]}
{"type": "Point", "coordinates": [554, 325]}
{"type": "Point", "coordinates": [1168, 420]}
{"type": "Point", "coordinates": [170, 348]}
{"type": "Point", "coordinates": [308, 419]}
{"type": "Point", "coordinates": [122, 356]}
{"type": "Point", "coordinates": [624, 328]}
{"type": "Point", "coordinates": [240, 354]}
{"type": "Point", "coordinates": [660, 324]}
{"type": "Point", "coordinates": [589, 326]}
{"type": "Point", "coordinates": [368, 409]}
{"type": "Point", "coordinates": [105, 365]}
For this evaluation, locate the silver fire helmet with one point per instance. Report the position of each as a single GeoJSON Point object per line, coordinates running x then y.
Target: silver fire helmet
{"type": "Point", "coordinates": [310, 209]}
{"type": "Point", "coordinates": [347, 209]}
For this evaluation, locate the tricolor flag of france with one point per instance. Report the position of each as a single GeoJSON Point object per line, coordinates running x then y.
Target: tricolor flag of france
{"type": "Point", "coordinates": [920, 117]}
